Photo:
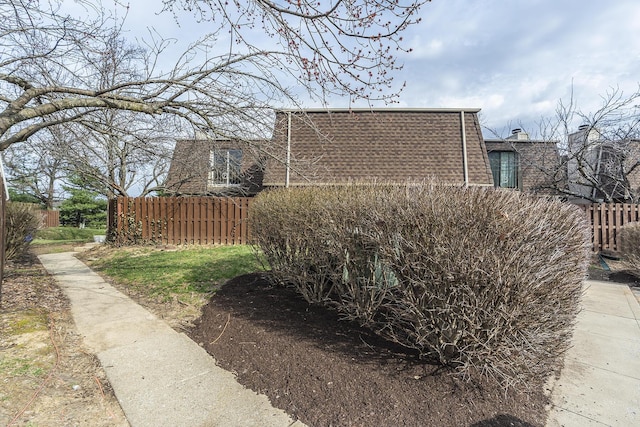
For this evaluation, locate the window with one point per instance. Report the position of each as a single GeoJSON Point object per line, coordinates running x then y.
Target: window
{"type": "Point", "coordinates": [225, 168]}
{"type": "Point", "coordinates": [504, 167]}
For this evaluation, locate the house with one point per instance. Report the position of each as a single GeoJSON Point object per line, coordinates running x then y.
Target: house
{"type": "Point", "coordinates": [215, 167]}
{"type": "Point", "coordinates": [600, 168]}
{"type": "Point", "coordinates": [321, 147]}
{"type": "Point", "coordinates": [521, 163]}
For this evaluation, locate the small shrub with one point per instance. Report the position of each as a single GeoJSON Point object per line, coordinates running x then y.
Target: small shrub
{"type": "Point", "coordinates": [482, 280]}
{"type": "Point", "coordinates": [629, 241]}
{"type": "Point", "coordinates": [22, 222]}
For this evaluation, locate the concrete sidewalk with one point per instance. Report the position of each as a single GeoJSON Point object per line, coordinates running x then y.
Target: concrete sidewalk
{"type": "Point", "coordinates": [600, 382]}
{"type": "Point", "coordinates": [160, 376]}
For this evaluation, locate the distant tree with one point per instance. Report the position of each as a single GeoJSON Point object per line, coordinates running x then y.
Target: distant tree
{"type": "Point", "coordinates": [118, 151]}
{"type": "Point", "coordinates": [16, 196]}
{"type": "Point", "coordinates": [83, 208]}
{"type": "Point", "coordinates": [37, 169]}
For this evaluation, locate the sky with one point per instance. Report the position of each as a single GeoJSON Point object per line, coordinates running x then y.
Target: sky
{"type": "Point", "coordinates": [512, 59]}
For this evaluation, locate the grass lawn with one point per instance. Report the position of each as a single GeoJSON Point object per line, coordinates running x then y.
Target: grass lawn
{"type": "Point", "coordinates": [65, 235]}
{"type": "Point", "coordinates": [169, 274]}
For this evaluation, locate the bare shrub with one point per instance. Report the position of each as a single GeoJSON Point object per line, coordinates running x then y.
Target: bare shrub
{"type": "Point", "coordinates": [22, 222]}
{"type": "Point", "coordinates": [629, 240]}
{"type": "Point", "coordinates": [293, 231]}
{"type": "Point", "coordinates": [486, 281]}
{"type": "Point", "coordinates": [490, 280]}
{"type": "Point", "coordinates": [314, 240]}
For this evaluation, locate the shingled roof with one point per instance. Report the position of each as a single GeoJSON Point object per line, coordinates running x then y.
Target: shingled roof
{"type": "Point", "coordinates": [335, 146]}
{"type": "Point", "coordinates": [395, 145]}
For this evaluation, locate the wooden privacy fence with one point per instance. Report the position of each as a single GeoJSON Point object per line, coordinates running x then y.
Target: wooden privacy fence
{"type": "Point", "coordinates": [606, 221]}
{"type": "Point", "coordinates": [179, 220]}
{"type": "Point", "coordinates": [211, 221]}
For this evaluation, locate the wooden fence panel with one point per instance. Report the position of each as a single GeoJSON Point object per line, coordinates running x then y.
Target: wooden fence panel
{"type": "Point", "coordinates": [606, 220]}
{"type": "Point", "coordinates": [181, 220]}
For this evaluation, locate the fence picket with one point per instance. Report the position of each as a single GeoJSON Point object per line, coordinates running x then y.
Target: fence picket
{"type": "Point", "coordinates": [50, 218]}
{"type": "Point", "coordinates": [606, 220]}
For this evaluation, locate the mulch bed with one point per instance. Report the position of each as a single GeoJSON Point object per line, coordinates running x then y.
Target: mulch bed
{"type": "Point", "coordinates": [328, 372]}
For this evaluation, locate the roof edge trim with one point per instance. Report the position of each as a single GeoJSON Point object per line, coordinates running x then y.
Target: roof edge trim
{"type": "Point", "coordinates": [378, 110]}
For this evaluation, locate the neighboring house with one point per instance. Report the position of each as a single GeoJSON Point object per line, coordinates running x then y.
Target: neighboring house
{"type": "Point", "coordinates": [521, 163]}
{"type": "Point", "coordinates": [603, 169]}
{"type": "Point", "coordinates": [320, 147]}
{"type": "Point", "coordinates": [214, 167]}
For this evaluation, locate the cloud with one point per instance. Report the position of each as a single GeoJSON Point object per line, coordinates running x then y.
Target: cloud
{"type": "Point", "coordinates": [515, 60]}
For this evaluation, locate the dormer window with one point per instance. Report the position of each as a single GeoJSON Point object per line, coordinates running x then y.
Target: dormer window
{"type": "Point", "coordinates": [225, 168]}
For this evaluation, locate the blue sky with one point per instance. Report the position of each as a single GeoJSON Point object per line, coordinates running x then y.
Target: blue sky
{"type": "Point", "coordinates": [514, 60]}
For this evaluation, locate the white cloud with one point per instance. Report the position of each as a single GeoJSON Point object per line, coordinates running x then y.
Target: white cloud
{"type": "Point", "coordinates": [524, 54]}
{"type": "Point", "coordinates": [421, 48]}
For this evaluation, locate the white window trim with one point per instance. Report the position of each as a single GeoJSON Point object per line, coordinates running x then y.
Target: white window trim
{"type": "Point", "coordinates": [227, 174]}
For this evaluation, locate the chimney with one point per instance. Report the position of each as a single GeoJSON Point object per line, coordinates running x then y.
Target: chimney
{"type": "Point", "coordinates": [518, 134]}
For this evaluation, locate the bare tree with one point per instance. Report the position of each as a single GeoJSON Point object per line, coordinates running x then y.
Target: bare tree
{"type": "Point", "coordinates": [599, 152]}
{"type": "Point", "coordinates": [335, 47]}
{"type": "Point", "coordinates": [37, 168]}
{"type": "Point", "coordinates": [115, 151]}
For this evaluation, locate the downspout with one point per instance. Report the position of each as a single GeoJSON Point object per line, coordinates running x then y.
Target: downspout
{"type": "Point", "coordinates": [288, 161]}
{"type": "Point", "coordinates": [465, 166]}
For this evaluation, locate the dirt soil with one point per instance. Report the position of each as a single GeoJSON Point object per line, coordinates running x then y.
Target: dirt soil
{"type": "Point", "coordinates": [47, 377]}
{"type": "Point", "coordinates": [327, 372]}
{"type": "Point", "coordinates": [613, 270]}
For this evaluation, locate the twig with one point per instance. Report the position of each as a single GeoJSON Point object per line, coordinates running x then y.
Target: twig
{"type": "Point", "coordinates": [111, 414]}
{"type": "Point", "coordinates": [223, 329]}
